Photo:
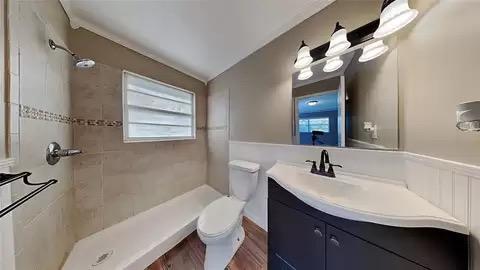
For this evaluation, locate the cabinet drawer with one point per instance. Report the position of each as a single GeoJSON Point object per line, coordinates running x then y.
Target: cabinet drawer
{"type": "Point", "coordinates": [298, 240]}
{"type": "Point", "coordinates": [347, 252]}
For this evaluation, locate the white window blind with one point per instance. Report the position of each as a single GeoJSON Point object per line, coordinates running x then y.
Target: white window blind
{"type": "Point", "coordinates": [155, 111]}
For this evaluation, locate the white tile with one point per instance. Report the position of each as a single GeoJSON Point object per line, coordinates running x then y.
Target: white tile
{"type": "Point", "coordinates": [461, 194]}
{"type": "Point", "coordinates": [14, 89]}
{"type": "Point", "coordinates": [14, 123]}
{"type": "Point", "coordinates": [13, 14]}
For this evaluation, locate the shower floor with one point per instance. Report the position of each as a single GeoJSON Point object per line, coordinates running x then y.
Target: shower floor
{"type": "Point", "coordinates": [190, 253]}
{"type": "Point", "coordinates": [138, 241]}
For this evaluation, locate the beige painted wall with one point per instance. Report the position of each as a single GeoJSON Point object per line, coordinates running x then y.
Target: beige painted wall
{"type": "Point", "coordinates": [372, 88]}
{"type": "Point", "coordinates": [317, 87]}
{"type": "Point", "coordinates": [437, 69]}
{"type": "Point", "coordinates": [114, 180]}
{"type": "Point", "coordinates": [261, 84]}
{"type": "Point", "coordinates": [39, 78]}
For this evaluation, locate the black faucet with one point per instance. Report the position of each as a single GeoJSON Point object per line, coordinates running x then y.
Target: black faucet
{"type": "Point", "coordinates": [325, 158]}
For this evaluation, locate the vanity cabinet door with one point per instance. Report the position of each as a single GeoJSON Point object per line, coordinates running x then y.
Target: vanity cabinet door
{"type": "Point", "coordinates": [296, 241]}
{"type": "Point", "coordinates": [347, 252]}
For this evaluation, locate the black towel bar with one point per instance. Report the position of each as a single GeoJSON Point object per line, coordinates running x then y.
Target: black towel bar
{"type": "Point", "coordinates": [9, 178]}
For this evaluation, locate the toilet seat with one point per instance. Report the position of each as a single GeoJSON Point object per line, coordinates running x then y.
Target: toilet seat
{"type": "Point", "coordinates": [219, 218]}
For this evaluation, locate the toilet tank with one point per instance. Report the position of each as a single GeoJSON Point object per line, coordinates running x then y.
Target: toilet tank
{"type": "Point", "coordinates": [243, 179]}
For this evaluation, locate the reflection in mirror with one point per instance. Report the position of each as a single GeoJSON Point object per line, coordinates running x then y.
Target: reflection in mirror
{"type": "Point", "coordinates": [349, 105]}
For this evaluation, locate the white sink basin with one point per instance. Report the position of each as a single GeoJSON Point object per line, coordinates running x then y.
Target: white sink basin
{"type": "Point", "coordinates": [359, 199]}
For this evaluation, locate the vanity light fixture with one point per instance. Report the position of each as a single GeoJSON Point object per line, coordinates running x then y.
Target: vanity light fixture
{"type": "Point", "coordinates": [373, 50]}
{"type": "Point", "coordinates": [338, 41]}
{"type": "Point", "coordinates": [303, 56]}
{"type": "Point", "coordinates": [468, 116]}
{"type": "Point", "coordinates": [395, 15]}
{"type": "Point", "coordinates": [305, 74]}
{"type": "Point", "coordinates": [333, 64]}
{"type": "Point", "coordinates": [312, 102]}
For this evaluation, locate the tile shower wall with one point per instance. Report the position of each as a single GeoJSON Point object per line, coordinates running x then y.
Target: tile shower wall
{"type": "Point", "coordinates": [115, 180]}
{"type": "Point", "coordinates": [39, 78]}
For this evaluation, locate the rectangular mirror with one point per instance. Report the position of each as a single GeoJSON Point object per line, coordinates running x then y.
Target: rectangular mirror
{"type": "Point", "coordinates": [355, 105]}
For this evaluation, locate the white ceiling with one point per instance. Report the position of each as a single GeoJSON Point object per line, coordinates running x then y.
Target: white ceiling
{"type": "Point", "coordinates": [202, 38]}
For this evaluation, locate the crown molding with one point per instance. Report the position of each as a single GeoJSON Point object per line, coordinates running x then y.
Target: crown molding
{"type": "Point", "coordinates": [76, 22]}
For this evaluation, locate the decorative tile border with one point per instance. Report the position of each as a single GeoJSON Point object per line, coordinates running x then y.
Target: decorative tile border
{"type": "Point", "coordinates": [37, 114]}
{"type": "Point", "coordinates": [97, 123]}
{"type": "Point", "coordinates": [34, 113]}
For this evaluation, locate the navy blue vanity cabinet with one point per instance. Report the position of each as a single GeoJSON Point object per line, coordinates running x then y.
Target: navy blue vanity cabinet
{"type": "Point", "coordinates": [303, 238]}
{"type": "Point", "coordinates": [290, 249]}
{"type": "Point", "coordinates": [347, 252]}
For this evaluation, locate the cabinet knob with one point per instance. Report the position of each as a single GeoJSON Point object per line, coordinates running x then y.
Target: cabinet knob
{"type": "Point", "coordinates": [334, 240]}
{"type": "Point", "coordinates": [318, 232]}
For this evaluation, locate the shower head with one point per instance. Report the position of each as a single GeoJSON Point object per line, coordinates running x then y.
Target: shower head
{"type": "Point", "coordinates": [79, 62]}
{"type": "Point", "coordinates": [84, 63]}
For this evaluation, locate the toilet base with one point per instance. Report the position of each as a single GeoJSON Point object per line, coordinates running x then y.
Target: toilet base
{"type": "Point", "coordinates": [219, 255]}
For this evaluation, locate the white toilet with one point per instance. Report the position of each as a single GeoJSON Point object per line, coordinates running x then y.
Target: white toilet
{"type": "Point", "coordinates": [220, 224]}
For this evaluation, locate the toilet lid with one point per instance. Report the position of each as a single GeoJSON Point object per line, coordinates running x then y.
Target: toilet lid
{"type": "Point", "coordinates": [220, 216]}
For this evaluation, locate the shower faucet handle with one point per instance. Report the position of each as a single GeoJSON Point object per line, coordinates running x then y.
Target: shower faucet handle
{"type": "Point", "coordinates": [55, 152]}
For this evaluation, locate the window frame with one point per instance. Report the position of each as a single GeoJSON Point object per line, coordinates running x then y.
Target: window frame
{"type": "Point", "coordinates": [126, 136]}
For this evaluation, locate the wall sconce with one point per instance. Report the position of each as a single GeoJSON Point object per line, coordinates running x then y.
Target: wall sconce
{"type": "Point", "coordinates": [395, 15]}
{"type": "Point", "coordinates": [333, 64]}
{"type": "Point", "coordinates": [373, 50]}
{"type": "Point", "coordinates": [305, 74]}
{"type": "Point", "coordinates": [338, 41]}
{"type": "Point", "coordinates": [303, 56]}
{"type": "Point", "coordinates": [468, 116]}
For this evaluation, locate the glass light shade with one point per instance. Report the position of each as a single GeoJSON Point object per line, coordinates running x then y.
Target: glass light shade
{"type": "Point", "coordinates": [305, 74]}
{"type": "Point", "coordinates": [303, 57]}
{"type": "Point", "coordinates": [338, 41]}
{"type": "Point", "coordinates": [468, 116]}
{"type": "Point", "coordinates": [373, 50]}
{"type": "Point", "coordinates": [395, 15]}
{"type": "Point", "coordinates": [333, 64]}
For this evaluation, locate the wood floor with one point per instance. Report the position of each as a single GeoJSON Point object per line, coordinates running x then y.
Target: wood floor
{"type": "Point", "coordinates": [190, 253]}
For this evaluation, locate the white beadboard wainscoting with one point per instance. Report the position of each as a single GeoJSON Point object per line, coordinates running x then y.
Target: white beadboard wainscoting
{"type": "Point", "coordinates": [452, 186]}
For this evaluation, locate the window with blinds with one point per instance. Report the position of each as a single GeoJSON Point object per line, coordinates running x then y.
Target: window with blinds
{"type": "Point", "coordinates": [155, 111]}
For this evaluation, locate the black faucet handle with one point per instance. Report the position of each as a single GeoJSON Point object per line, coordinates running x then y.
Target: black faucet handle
{"type": "Point", "coordinates": [330, 169]}
{"type": "Point", "coordinates": [314, 166]}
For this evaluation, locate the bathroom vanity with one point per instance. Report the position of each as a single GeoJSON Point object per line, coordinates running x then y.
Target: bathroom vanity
{"type": "Point", "coordinates": [317, 224]}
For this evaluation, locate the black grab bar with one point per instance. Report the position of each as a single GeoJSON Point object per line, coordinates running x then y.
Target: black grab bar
{"type": "Point", "coordinates": [6, 178]}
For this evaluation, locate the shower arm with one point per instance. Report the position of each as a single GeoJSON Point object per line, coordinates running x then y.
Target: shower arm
{"type": "Point", "coordinates": [54, 46]}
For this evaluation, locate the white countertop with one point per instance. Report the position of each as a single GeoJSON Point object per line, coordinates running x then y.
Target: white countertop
{"type": "Point", "coordinates": [360, 199]}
